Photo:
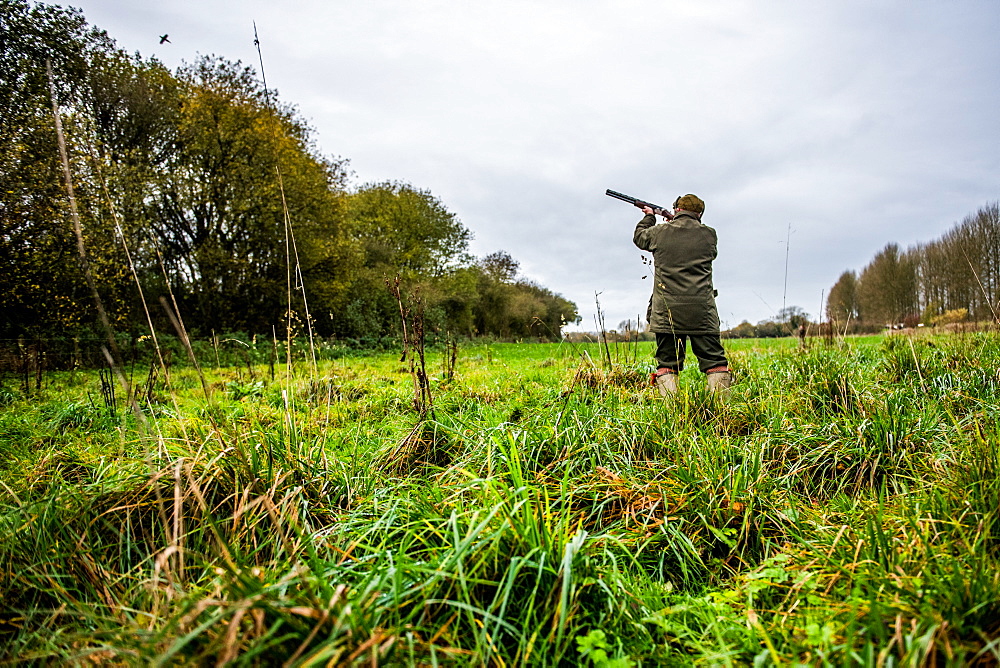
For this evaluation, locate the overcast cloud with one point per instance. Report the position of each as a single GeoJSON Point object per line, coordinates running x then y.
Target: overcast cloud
{"type": "Point", "coordinates": [855, 122]}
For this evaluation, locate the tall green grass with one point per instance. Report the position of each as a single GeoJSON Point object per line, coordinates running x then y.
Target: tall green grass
{"type": "Point", "coordinates": [839, 507]}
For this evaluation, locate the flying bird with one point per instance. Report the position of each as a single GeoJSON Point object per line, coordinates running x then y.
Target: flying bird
{"type": "Point", "coordinates": [163, 38]}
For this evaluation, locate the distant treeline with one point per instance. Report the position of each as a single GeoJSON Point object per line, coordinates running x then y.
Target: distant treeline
{"type": "Point", "coordinates": [201, 187]}
{"type": "Point", "coordinates": [954, 278]}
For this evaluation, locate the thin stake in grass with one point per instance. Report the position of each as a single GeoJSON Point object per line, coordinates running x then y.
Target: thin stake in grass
{"type": "Point", "coordinates": [81, 247]}
{"type": "Point", "coordinates": [394, 289]}
{"type": "Point", "coordinates": [178, 323]}
{"type": "Point", "coordinates": [290, 245]}
{"type": "Point", "coordinates": [413, 337]}
{"type": "Point", "coordinates": [602, 329]}
{"type": "Point", "coordinates": [135, 277]}
{"type": "Point", "coordinates": [112, 352]}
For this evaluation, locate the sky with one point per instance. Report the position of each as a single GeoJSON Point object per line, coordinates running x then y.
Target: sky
{"type": "Point", "coordinates": [815, 131]}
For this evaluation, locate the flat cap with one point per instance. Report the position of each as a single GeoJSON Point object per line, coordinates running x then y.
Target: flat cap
{"type": "Point", "coordinates": [690, 203]}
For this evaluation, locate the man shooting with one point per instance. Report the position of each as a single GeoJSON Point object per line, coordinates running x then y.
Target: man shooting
{"type": "Point", "coordinates": [683, 307]}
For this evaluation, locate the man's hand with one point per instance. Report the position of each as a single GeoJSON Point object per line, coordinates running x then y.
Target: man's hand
{"type": "Point", "coordinates": [647, 210]}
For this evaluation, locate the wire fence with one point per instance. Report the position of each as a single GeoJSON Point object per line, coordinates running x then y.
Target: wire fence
{"type": "Point", "coordinates": [27, 359]}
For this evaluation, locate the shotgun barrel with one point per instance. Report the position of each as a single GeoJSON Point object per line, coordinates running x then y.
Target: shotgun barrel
{"type": "Point", "coordinates": [634, 201]}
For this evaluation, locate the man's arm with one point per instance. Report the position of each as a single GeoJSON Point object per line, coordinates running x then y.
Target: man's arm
{"type": "Point", "coordinates": [640, 238]}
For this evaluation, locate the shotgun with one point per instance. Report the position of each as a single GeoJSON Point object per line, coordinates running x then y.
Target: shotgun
{"type": "Point", "coordinates": [657, 209]}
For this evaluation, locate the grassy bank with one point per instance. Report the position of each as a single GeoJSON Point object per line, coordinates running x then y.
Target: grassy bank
{"type": "Point", "coordinates": [840, 507]}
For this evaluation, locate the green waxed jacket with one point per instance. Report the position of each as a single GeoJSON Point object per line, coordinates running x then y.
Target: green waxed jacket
{"type": "Point", "coordinates": [683, 295]}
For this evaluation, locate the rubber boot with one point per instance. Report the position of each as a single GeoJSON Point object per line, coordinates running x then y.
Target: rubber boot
{"type": "Point", "coordinates": [665, 381]}
{"type": "Point", "coordinates": [719, 381]}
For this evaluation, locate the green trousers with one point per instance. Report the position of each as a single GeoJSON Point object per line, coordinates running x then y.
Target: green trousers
{"type": "Point", "coordinates": [671, 348]}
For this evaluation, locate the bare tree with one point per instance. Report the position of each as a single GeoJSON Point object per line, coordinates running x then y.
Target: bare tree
{"type": "Point", "coordinates": [887, 287]}
{"type": "Point", "coordinates": [842, 304]}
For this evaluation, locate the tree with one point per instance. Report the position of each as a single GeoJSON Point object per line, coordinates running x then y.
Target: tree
{"type": "Point", "coordinates": [218, 193]}
{"type": "Point", "coordinates": [963, 270]}
{"type": "Point", "coordinates": [744, 330]}
{"type": "Point", "coordinates": [957, 273]}
{"type": "Point", "coordinates": [793, 316]}
{"type": "Point", "coordinates": [406, 230]}
{"type": "Point", "coordinates": [887, 287]}
{"type": "Point", "coordinates": [631, 328]}
{"type": "Point", "coordinates": [842, 302]}
{"type": "Point", "coordinates": [400, 230]}
{"type": "Point", "coordinates": [217, 209]}
{"type": "Point", "coordinates": [41, 285]}
{"type": "Point", "coordinates": [185, 167]}
{"type": "Point", "coordinates": [500, 266]}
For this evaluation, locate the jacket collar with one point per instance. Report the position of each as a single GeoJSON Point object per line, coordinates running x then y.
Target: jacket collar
{"type": "Point", "coordinates": [686, 216]}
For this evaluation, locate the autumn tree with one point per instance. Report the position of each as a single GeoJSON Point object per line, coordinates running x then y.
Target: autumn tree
{"type": "Point", "coordinates": [500, 266]}
{"type": "Point", "coordinates": [41, 284]}
{"type": "Point", "coordinates": [217, 209]}
{"type": "Point", "coordinates": [202, 183]}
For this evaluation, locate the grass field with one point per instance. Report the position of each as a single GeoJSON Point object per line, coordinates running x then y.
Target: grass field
{"type": "Point", "coordinates": [841, 507]}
